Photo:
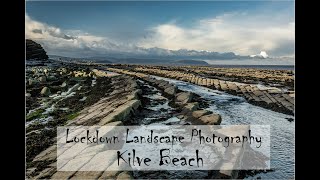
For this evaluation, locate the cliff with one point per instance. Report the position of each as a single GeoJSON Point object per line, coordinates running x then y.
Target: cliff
{"type": "Point", "coordinates": [34, 51]}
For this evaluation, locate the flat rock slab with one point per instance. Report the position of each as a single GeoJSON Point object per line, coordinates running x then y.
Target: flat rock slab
{"type": "Point", "coordinates": [111, 173]}
{"type": "Point", "coordinates": [46, 173]}
{"type": "Point", "coordinates": [121, 113]}
{"type": "Point", "coordinates": [258, 93]}
{"type": "Point", "coordinates": [288, 98]}
{"type": "Point", "coordinates": [63, 175]}
{"type": "Point", "coordinates": [47, 155]}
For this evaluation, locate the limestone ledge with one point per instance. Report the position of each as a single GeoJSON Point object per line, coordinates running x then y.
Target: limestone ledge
{"type": "Point", "coordinates": [268, 97]}
{"type": "Point", "coordinates": [113, 110]}
{"type": "Point", "coordinates": [183, 99]}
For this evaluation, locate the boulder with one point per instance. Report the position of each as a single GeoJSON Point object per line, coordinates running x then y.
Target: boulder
{"type": "Point", "coordinates": [184, 97]}
{"type": "Point", "coordinates": [45, 91]}
{"type": "Point", "coordinates": [33, 81]}
{"type": "Point", "coordinates": [200, 113]}
{"type": "Point", "coordinates": [52, 78]}
{"type": "Point", "coordinates": [163, 84]}
{"type": "Point", "coordinates": [171, 90]}
{"type": "Point", "coordinates": [192, 106]}
{"type": "Point", "coordinates": [42, 79]}
{"type": "Point", "coordinates": [211, 119]}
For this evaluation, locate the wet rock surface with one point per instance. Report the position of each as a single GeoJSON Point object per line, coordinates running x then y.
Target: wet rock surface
{"type": "Point", "coordinates": [115, 100]}
{"type": "Point", "coordinates": [128, 98]}
{"type": "Point", "coordinates": [67, 101]}
{"type": "Point", "coordinates": [271, 89]}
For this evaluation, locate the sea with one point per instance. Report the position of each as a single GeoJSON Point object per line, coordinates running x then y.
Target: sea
{"type": "Point", "coordinates": [271, 67]}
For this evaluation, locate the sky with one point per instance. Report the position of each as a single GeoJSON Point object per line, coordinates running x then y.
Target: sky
{"type": "Point", "coordinates": [101, 27]}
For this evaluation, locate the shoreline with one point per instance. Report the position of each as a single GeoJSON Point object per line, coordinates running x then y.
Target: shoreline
{"type": "Point", "coordinates": [273, 98]}
{"type": "Point", "coordinates": [124, 83]}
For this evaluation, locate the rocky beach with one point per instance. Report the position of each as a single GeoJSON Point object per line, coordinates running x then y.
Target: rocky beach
{"type": "Point", "coordinates": [80, 93]}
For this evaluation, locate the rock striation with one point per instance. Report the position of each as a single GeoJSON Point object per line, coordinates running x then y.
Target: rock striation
{"type": "Point", "coordinates": [268, 97]}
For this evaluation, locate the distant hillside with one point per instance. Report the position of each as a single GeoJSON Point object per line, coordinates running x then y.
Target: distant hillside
{"type": "Point", "coordinates": [34, 51]}
{"type": "Point", "coordinates": [94, 59]}
{"type": "Point", "coordinates": [131, 60]}
{"type": "Point", "coordinates": [150, 61]}
{"type": "Point", "coordinates": [191, 62]}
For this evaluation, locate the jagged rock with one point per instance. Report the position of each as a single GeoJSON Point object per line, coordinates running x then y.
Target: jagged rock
{"type": "Point", "coordinates": [134, 94]}
{"type": "Point", "coordinates": [192, 106]}
{"type": "Point", "coordinates": [133, 84]}
{"type": "Point", "coordinates": [171, 90]}
{"type": "Point", "coordinates": [163, 84]}
{"type": "Point", "coordinates": [45, 91]}
{"type": "Point", "coordinates": [184, 97]}
{"type": "Point", "coordinates": [211, 119]}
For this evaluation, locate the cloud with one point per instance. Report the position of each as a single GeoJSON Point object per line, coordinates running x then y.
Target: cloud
{"type": "Point", "coordinates": [241, 33]}
{"type": "Point", "coordinates": [262, 55]}
{"type": "Point", "coordinates": [39, 30]}
{"type": "Point", "coordinates": [66, 42]}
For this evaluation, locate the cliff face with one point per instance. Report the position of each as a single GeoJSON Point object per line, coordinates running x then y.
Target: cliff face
{"type": "Point", "coordinates": [34, 51]}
